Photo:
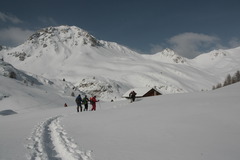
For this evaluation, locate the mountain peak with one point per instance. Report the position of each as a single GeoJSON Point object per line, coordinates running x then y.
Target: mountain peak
{"type": "Point", "coordinates": [168, 51]}
{"type": "Point", "coordinates": [169, 56]}
{"type": "Point", "coordinates": [68, 35]}
{"type": "Point", "coordinates": [218, 53]}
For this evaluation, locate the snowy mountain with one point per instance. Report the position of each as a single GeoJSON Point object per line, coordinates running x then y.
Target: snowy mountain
{"type": "Point", "coordinates": [108, 69]}
{"type": "Point", "coordinates": [38, 77]}
{"type": "Point", "coordinates": [7, 70]}
{"type": "Point", "coordinates": [219, 62]}
{"type": "Point", "coordinates": [30, 81]}
{"type": "Point", "coordinates": [167, 56]}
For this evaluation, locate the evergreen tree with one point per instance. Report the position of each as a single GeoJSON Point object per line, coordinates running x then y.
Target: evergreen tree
{"type": "Point", "coordinates": [219, 85]}
{"type": "Point", "coordinates": [228, 80]}
{"type": "Point", "coordinates": [237, 77]}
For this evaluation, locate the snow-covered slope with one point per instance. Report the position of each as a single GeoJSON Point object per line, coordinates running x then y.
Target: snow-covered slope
{"type": "Point", "coordinates": [219, 59]}
{"type": "Point", "coordinates": [167, 56]}
{"type": "Point", "coordinates": [9, 71]}
{"type": "Point", "coordinates": [108, 69]}
{"type": "Point", "coordinates": [219, 62]}
{"type": "Point", "coordinates": [35, 125]}
{"type": "Point", "coordinates": [31, 86]}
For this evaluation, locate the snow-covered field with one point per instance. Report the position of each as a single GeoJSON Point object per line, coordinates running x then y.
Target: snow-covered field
{"type": "Point", "coordinates": [188, 126]}
{"type": "Point", "coordinates": [57, 62]}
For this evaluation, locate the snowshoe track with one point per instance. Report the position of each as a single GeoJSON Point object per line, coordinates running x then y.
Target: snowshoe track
{"type": "Point", "coordinates": [49, 141]}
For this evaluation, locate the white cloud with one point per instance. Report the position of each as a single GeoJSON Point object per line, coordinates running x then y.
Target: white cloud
{"type": "Point", "coordinates": [14, 36]}
{"type": "Point", "coordinates": [192, 44]}
{"type": "Point", "coordinates": [9, 18]}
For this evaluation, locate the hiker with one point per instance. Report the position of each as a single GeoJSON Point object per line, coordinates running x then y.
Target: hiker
{"type": "Point", "coordinates": [85, 103]}
{"type": "Point", "coordinates": [79, 103]}
{"type": "Point", "coordinates": [93, 102]}
{"type": "Point", "coordinates": [132, 96]}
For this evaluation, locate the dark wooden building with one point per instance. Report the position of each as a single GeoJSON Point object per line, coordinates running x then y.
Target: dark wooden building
{"type": "Point", "coordinates": [143, 92]}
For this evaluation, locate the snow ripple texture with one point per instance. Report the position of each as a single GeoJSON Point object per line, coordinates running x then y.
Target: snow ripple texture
{"type": "Point", "coordinates": [49, 141]}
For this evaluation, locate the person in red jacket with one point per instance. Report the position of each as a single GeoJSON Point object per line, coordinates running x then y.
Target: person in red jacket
{"type": "Point", "coordinates": [93, 101]}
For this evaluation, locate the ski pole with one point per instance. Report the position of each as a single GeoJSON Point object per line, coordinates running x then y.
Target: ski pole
{"type": "Point", "coordinates": [100, 105]}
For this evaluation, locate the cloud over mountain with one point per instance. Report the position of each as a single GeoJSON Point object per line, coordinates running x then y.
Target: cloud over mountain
{"type": "Point", "coordinates": [14, 35]}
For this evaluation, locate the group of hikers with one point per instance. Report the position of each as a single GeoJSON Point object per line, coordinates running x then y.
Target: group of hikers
{"type": "Point", "coordinates": [84, 101]}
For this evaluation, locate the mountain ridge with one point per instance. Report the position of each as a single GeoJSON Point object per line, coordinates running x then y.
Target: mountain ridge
{"type": "Point", "coordinates": [68, 52]}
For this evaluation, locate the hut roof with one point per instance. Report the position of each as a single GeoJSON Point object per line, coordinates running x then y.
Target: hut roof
{"type": "Point", "coordinates": [140, 91]}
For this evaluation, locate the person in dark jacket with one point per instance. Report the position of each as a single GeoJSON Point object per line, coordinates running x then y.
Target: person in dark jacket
{"type": "Point", "coordinates": [79, 103]}
{"type": "Point", "coordinates": [132, 96]}
{"type": "Point", "coordinates": [85, 103]}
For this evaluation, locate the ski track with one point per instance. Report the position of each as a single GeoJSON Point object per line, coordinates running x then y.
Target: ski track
{"type": "Point", "coordinates": [49, 141]}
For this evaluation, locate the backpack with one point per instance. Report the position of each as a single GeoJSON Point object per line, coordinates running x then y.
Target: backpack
{"type": "Point", "coordinates": [91, 100]}
{"type": "Point", "coordinates": [84, 101]}
{"type": "Point", "coordinates": [78, 99]}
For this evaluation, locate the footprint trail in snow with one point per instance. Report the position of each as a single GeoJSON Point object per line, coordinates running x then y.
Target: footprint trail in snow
{"type": "Point", "coordinates": [49, 141]}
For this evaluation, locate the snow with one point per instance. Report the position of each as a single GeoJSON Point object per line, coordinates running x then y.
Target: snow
{"type": "Point", "coordinates": [140, 91]}
{"type": "Point", "coordinates": [68, 52]}
{"type": "Point", "coordinates": [167, 56]}
{"type": "Point", "coordinates": [190, 125]}
{"type": "Point", "coordinates": [200, 125]}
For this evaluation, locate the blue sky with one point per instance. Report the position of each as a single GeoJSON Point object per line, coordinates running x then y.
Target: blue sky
{"type": "Point", "coordinates": [148, 26]}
